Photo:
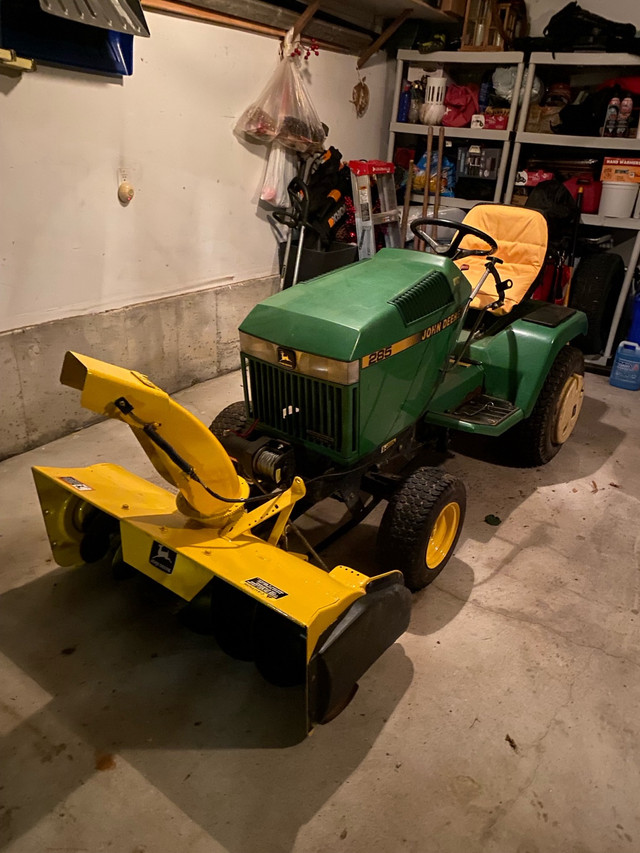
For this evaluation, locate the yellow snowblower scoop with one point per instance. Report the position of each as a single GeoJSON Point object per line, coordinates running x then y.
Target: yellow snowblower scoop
{"type": "Point", "coordinates": [301, 624]}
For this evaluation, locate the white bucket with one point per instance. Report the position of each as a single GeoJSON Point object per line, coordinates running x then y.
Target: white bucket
{"type": "Point", "coordinates": [618, 199]}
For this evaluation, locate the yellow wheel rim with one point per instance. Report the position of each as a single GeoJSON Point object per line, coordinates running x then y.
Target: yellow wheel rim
{"type": "Point", "coordinates": [443, 535]}
{"type": "Point", "coordinates": [569, 406]}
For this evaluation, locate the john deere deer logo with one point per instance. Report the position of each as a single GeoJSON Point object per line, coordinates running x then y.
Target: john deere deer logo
{"type": "Point", "coordinates": [162, 558]}
{"type": "Point", "coordinates": [287, 358]}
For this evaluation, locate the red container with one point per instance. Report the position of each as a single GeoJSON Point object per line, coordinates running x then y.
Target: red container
{"type": "Point", "coordinates": [592, 191]}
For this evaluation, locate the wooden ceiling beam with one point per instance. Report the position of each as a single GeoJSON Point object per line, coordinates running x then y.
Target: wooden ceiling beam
{"type": "Point", "coordinates": [269, 20]}
{"type": "Point", "coordinates": [305, 17]}
{"type": "Point", "coordinates": [375, 46]}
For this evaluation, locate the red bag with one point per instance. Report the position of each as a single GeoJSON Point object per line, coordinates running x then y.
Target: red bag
{"type": "Point", "coordinates": [461, 103]}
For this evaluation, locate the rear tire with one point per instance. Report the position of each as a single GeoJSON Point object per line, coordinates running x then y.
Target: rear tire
{"type": "Point", "coordinates": [595, 289]}
{"type": "Point", "coordinates": [537, 439]}
{"type": "Point", "coordinates": [421, 526]}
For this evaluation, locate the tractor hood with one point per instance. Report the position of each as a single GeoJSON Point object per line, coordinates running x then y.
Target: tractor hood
{"type": "Point", "coordinates": [355, 310]}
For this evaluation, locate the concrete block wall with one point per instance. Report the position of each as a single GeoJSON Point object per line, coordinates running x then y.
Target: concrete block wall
{"type": "Point", "coordinates": [177, 341]}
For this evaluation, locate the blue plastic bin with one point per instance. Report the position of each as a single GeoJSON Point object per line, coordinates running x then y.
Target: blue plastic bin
{"type": "Point", "coordinates": [634, 331]}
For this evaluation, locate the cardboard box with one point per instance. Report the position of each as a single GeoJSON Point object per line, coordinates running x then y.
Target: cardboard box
{"type": "Point", "coordinates": [454, 7]}
{"type": "Point", "coordinates": [621, 169]}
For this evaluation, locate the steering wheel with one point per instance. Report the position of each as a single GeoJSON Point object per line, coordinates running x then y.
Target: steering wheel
{"type": "Point", "coordinates": [452, 250]}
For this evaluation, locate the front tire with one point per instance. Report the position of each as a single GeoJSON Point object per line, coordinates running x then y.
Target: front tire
{"type": "Point", "coordinates": [232, 418]}
{"type": "Point", "coordinates": [537, 439]}
{"type": "Point", "coordinates": [421, 526]}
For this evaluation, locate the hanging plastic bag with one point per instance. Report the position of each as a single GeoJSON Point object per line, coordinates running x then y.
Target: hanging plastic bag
{"type": "Point", "coordinates": [284, 110]}
{"type": "Point", "coordinates": [281, 170]}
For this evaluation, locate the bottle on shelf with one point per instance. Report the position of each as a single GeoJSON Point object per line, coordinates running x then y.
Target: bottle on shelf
{"type": "Point", "coordinates": [484, 93]}
{"type": "Point", "coordinates": [611, 118]}
{"type": "Point", "coordinates": [415, 103]}
{"type": "Point", "coordinates": [624, 117]}
{"type": "Point", "coordinates": [404, 102]}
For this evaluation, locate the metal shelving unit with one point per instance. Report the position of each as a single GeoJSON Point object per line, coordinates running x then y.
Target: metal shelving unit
{"type": "Point", "coordinates": [630, 146]}
{"type": "Point", "coordinates": [458, 58]}
{"type": "Point", "coordinates": [451, 132]}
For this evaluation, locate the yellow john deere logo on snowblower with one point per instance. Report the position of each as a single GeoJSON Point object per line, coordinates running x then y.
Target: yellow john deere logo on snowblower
{"type": "Point", "coordinates": [412, 340]}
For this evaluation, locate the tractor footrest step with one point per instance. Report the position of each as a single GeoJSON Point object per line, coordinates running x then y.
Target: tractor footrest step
{"type": "Point", "coordinates": [484, 410]}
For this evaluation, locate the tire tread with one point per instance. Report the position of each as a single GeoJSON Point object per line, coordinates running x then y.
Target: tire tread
{"type": "Point", "coordinates": [401, 531]}
{"type": "Point", "coordinates": [529, 437]}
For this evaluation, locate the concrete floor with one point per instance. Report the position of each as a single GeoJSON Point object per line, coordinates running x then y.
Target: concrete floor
{"type": "Point", "coordinates": [505, 719]}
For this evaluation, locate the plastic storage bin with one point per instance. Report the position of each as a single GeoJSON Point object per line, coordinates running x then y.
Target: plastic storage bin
{"type": "Point", "coordinates": [315, 262]}
{"type": "Point", "coordinates": [625, 372]}
{"type": "Point", "coordinates": [634, 331]}
{"type": "Point", "coordinates": [618, 199]}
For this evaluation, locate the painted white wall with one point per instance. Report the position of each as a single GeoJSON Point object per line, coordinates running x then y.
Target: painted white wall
{"type": "Point", "coordinates": [67, 247]}
{"type": "Point", "coordinates": [624, 11]}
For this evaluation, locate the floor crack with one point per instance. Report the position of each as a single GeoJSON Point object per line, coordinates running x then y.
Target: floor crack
{"type": "Point", "coordinates": [534, 622]}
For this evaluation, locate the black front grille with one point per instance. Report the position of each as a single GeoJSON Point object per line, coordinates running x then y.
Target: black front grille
{"type": "Point", "coordinates": [424, 297]}
{"type": "Point", "coordinates": [303, 408]}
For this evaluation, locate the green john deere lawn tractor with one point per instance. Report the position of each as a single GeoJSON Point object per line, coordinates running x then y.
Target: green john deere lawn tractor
{"type": "Point", "coordinates": [351, 381]}
{"type": "Point", "coordinates": [351, 378]}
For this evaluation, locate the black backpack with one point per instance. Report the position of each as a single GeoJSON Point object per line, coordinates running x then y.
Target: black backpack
{"type": "Point", "coordinates": [558, 206]}
{"type": "Point", "coordinates": [573, 28]}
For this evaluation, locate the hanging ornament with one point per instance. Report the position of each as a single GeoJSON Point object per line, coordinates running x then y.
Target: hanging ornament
{"type": "Point", "coordinates": [360, 96]}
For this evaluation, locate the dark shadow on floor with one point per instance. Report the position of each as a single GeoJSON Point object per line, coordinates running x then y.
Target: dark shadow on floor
{"type": "Point", "coordinates": [590, 431]}
{"type": "Point", "coordinates": [433, 607]}
{"type": "Point", "coordinates": [497, 488]}
{"type": "Point", "coordinates": [127, 679]}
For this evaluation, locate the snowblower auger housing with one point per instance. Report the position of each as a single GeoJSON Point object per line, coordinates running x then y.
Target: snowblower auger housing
{"type": "Point", "coordinates": [300, 624]}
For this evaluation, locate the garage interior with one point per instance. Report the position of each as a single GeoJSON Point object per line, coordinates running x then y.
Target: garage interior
{"type": "Point", "coordinates": [133, 232]}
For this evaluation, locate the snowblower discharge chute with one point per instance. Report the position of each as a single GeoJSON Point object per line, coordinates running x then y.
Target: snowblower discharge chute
{"type": "Point", "coordinates": [301, 624]}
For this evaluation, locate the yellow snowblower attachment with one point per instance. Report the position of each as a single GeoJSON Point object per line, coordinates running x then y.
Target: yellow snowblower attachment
{"type": "Point", "coordinates": [301, 624]}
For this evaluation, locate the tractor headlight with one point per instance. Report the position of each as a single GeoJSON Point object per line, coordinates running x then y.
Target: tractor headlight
{"type": "Point", "coordinates": [305, 363]}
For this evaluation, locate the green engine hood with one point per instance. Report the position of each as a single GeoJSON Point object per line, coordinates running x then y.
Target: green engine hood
{"type": "Point", "coordinates": [347, 313]}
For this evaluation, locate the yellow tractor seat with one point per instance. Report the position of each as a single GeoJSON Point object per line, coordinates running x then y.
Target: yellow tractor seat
{"type": "Point", "coordinates": [521, 235]}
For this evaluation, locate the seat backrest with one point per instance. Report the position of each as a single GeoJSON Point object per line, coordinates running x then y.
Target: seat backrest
{"type": "Point", "coordinates": [521, 235]}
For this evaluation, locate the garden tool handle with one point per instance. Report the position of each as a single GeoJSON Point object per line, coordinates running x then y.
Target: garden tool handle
{"type": "Point", "coordinates": [299, 197]}
{"type": "Point", "coordinates": [285, 217]}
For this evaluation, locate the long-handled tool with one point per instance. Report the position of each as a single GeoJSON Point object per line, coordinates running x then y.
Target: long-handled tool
{"type": "Point", "coordinates": [419, 244]}
{"type": "Point", "coordinates": [407, 203]}
{"type": "Point", "coordinates": [294, 217]}
{"type": "Point", "coordinates": [438, 189]}
{"type": "Point", "coordinates": [571, 261]}
{"type": "Point", "coordinates": [301, 194]}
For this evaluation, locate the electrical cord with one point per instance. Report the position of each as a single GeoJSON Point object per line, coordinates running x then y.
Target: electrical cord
{"type": "Point", "coordinates": [124, 406]}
